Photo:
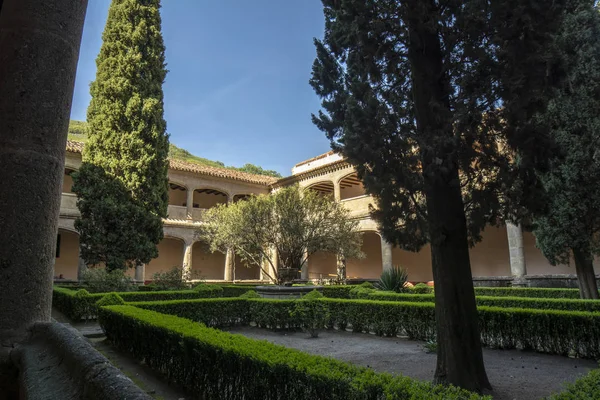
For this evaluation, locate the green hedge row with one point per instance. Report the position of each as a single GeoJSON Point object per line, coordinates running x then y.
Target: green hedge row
{"type": "Point", "coordinates": [500, 301]}
{"type": "Point", "coordinates": [545, 331]}
{"type": "Point", "coordinates": [77, 306]}
{"type": "Point", "coordinates": [343, 292]}
{"type": "Point", "coordinates": [213, 364]}
{"type": "Point", "coordinates": [548, 293]}
{"type": "Point", "coordinates": [338, 291]}
{"type": "Point", "coordinates": [586, 388]}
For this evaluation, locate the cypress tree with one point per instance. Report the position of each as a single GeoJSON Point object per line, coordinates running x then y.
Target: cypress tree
{"type": "Point", "coordinates": [433, 102]}
{"type": "Point", "coordinates": [122, 184]}
{"type": "Point", "coordinates": [570, 223]}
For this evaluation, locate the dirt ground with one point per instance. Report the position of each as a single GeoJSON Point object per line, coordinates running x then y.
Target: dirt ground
{"type": "Point", "coordinates": [514, 374]}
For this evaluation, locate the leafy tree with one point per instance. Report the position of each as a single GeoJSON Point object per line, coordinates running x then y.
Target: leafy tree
{"type": "Point", "coordinates": [295, 223]}
{"type": "Point", "coordinates": [254, 169]}
{"type": "Point", "coordinates": [570, 225]}
{"type": "Point", "coordinates": [432, 101]}
{"type": "Point", "coordinates": [122, 185]}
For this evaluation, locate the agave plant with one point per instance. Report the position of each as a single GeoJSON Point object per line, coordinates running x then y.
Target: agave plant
{"type": "Point", "coordinates": [393, 279]}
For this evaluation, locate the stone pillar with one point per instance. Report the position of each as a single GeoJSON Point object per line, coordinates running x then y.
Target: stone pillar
{"type": "Point", "coordinates": [386, 255]}
{"type": "Point", "coordinates": [81, 268]}
{"type": "Point", "coordinates": [187, 260]}
{"type": "Point", "coordinates": [341, 268]}
{"type": "Point", "coordinates": [140, 273]}
{"type": "Point", "coordinates": [229, 259]}
{"type": "Point", "coordinates": [189, 203]}
{"type": "Point", "coordinates": [337, 192]}
{"type": "Point", "coordinates": [518, 268]}
{"type": "Point", "coordinates": [39, 48]}
{"type": "Point", "coordinates": [304, 271]}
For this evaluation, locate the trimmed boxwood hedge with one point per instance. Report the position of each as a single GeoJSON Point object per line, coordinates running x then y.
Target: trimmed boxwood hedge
{"type": "Point", "coordinates": [84, 307]}
{"type": "Point", "coordinates": [545, 331]}
{"type": "Point", "coordinates": [507, 302]}
{"type": "Point", "coordinates": [220, 365]}
{"type": "Point", "coordinates": [547, 293]}
{"type": "Point", "coordinates": [338, 291]}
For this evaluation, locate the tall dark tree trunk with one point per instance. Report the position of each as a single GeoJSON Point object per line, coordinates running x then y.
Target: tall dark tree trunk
{"type": "Point", "coordinates": [586, 277]}
{"type": "Point", "coordinates": [460, 359]}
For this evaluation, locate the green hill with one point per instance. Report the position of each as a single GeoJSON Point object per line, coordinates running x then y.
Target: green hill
{"type": "Point", "coordinates": [78, 132]}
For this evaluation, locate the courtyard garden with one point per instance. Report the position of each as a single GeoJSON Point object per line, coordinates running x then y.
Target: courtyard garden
{"type": "Point", "coordinates": [346, 341]}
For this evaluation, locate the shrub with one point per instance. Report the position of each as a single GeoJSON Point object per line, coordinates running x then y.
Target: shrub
{"type": "Point", "coordinates": [362, 291]}
{"type": "Point", "coordinates": [236, 290]}
{"type": "Point", "coordinates": [250, 294]}
{"type": "Point", "coordinates": [172, 279]}
{"type": "Point", "coordinates": [528, 292]}
{"type": "Point", "coordinates": [422, 288]}
{"type": "Point", "coordinates": [209, 290]}
{"type": "Point", "coordinates": [585, 388]}
{"type": "Point", "coordinates": [393, 280]}
{"type": "Point", "coordinates": [311, 315]}
{"type": "Point", "coordinates": [337, 291]}
{"type": "Point", "coordinates": [221, 365]}
{"type": "Point", "coordinates": [545, 331]}
{"type": "Point", "coordinates": [111, 299]}
{"type": "Point", "coordinates": [98, 280]}
{"type": "Point", "coordinates": [148, 288]}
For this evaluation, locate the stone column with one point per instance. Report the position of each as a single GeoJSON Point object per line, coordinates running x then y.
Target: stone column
{"type": "Point", "coordinates": [337, 192]}
{"type": "Point", "coordinates": [140, 273]}
{"type": "Point", "coordinates": [81, 268]}
{"type": "Point", "coordinates": [518, 268]}
{"type": "Point", "coordinates": [189, 203]}
{"type": "Point", "coordinates": [304, 271]}
{"type": "Point", "coordinates": [341, 268]}
{"type": "Point", "coordinates": [187, 260]}
{"type": "Point", "coordinates": [386, 255]}
{"type": "Point", "coordinates": [39, 48]}
{"type": "Point", "coordinates": [229, 259]}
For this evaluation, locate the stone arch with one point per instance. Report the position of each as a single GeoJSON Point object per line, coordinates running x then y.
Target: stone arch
{"type": "Point", "coordinates": [66, 254]}
{"type": "Point", "coordinates": [325, 188]}
{"type": "Point", "coordinates": [170, 254]}
{"type": "Point", "coordinates": [350, 186]}
{"type": "Point", "coordinates": [67, 184]}
{"type": "Point", "coordinates": [243, 271]}
{"type": "Point", "coordinates": [207, 197]}
{"type": "Point", "coordinates": [369, 267]}
{"type": "Point", "coordinates": [177, 194]}
{"type": "Point", "coordinates": [208, 265]}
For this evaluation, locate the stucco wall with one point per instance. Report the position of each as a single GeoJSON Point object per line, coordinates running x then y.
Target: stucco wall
{"type": "Point", "coordinates": [208, 265]}
{"type": "Point", "coordinates": [177, 197]}
{"type": "Point", "coordinates": [242, 272]}
{"type": "Point", "coordinates": [370, 266]}
{"type": "Point", "coordinates": [490, 257]}
{"type": "Point", "coordinates": [66, 263]}
{"type": "Point", "coordinates": [170, 254]}
{"type": "Point", "coordinates": [67, 183]}
{"type": "Point", "coordinates": [321, 265]}
{"type": "Point", "coordinates": [418, 264]}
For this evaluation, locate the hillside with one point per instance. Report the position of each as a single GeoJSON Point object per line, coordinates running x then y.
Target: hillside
{"type": "Point", "coordinates": [77, 132]}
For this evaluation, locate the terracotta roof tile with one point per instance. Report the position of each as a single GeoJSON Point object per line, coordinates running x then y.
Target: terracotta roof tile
{"type": "Point", "coordinates": [77, 147]}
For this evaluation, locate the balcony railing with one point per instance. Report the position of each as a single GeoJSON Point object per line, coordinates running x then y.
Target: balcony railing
{"type": "Point", "coordinates": [68, 204]}
{"type": "Point", "coordinates": [177, 212]}
{"type": "Point", "coordinates": [358, 205]}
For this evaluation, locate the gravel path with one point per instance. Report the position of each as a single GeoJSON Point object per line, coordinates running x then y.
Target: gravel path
{"type": "Point", "coordinates": [514, 374]}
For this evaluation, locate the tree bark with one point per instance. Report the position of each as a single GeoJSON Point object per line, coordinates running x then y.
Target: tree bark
{"type": "Point", "coordinates": [460, 359]}
{"type": "Point", "coordinates": [586, 277]}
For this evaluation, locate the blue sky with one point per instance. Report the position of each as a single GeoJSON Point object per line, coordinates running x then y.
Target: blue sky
{"type": "Point", "coordinates": [237, 89]}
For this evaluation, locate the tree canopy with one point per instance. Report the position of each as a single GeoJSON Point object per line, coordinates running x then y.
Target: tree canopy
{"type": "Point", "coordinates": [283, 229]}
{"type": "Point", "coordinates": [569, 225]}
{"type": "Point", "coordinates": [434, 104]}
{"type": "Point", "coordinates": [124, 173]}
